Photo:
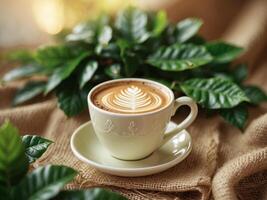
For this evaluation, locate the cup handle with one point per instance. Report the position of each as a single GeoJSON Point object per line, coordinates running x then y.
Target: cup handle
{"type": "Point", "coordinates": [181, 101]}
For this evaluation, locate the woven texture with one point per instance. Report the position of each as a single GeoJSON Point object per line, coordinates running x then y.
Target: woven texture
{"type": "Point", "coordinates": [224, 163]}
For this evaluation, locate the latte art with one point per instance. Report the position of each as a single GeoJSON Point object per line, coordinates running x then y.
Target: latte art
{"type": "Point", "coordinates": [130, 97]}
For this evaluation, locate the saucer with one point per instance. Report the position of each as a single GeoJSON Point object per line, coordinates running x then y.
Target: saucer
{"type": "Point", "coordinates": [87, 148]}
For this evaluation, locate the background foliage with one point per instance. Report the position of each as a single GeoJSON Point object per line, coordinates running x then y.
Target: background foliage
{"type": "Point", "coordinates": [139, 44]}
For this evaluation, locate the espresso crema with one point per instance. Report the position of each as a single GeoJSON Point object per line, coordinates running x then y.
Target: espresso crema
{"type": "Point", "coordinates": [130, 97]}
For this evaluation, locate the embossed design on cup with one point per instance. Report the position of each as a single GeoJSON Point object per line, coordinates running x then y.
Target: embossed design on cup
{"type": "Point", "coordinates": [132, 128]}
{"type": "Point", "coordinates": [108, 126]}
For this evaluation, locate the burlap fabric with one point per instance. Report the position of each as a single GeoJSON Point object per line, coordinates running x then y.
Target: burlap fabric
{"type": "Point", "coordinates": [224, 163]}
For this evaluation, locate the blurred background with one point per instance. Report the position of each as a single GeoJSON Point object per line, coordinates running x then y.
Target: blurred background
{"type": "Point", "coordinates": [28, 23]}
{"type": "Point", "coordinates": [32, 22]}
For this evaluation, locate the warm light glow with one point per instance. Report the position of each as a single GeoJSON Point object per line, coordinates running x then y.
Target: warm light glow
{"type": "Point", "coordinates": [111, 6]}
{"type": "Point", "coordinates": [49, 15]}
{"type": "Point", "coordinates": [54, 15]}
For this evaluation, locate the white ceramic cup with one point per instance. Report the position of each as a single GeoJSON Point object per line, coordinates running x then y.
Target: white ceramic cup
{"type": "Point", "coordinates": [135, 136]}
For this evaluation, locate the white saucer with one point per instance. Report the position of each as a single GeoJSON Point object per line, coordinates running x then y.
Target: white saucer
{"type": "Point", "coordinates": [87, 148]}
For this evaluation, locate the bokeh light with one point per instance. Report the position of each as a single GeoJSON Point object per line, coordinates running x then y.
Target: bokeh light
{"type": "Point", "coordinates": [49, 15]}
{"type": "Point", "coordinates": [52, 16]}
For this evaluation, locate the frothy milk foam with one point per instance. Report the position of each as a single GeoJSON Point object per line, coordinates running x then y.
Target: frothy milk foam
{"type": "Point", "coordinates": [130, 97]}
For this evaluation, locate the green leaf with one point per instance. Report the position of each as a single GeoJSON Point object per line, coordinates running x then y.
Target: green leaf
{"type": "Point", "coordinates": [35, 146]}
{"type": "Point", "coordinates": [93, 194]}
{"type": "Point", "coordinates": [111, 51]}
{"type": "Point", "coordinates": [131, 25]}
{"type": "Point", "coordinates": [123, 45]}
{"type": "Point", "coordinates": [21, 72]}
{"type": "Point", "coordinates": [21, 56]}
{"type": "Point", "coordinates": [255, 94]}
{"type": "Point", "coordinates": [180, 57]}
{"type": "Point", "coordinates": [84, 31]}
{"type": "Point", "coordinates": [92, 32]}
{"type": "Point", "coordinates": [63, 72]}
{"type": "Point", "coordinates": [71, 100]}
{"type": "Point", "coordinates": [13, 162]}
{"type": "Point", "coordinates": [5, 193]}
{"type": "Point", "coordinates": [223, 52]}
{"type": "Point", "coordinates": [236, 116]}
{"type": "Point", "coordinates": [98, 78]}
{"type": "Point", "coordinates": [104, 35]}
{"type": "Point", "coordinates": [240, 73]}
{"type": "Point", "coordinates": [131, 62]}
{"type": "Point", "coordinates": [224, 76]}
{"type": "Point", "coordinates": [113, 71]}
{"type": "Point", "coordinates": [29, 91]}
{"type": "Point", "coordinates": [162, 81]}
{"type": "Point", "coordinates": [44, 182]}
{"type": "Point", "coordinates": [160, 23]}
{"type": "Point", "coordinates": [55, 56]}
{"type": "Point", "coordinates": [197, 40]}
{"type": "Point", "coordinates": [186, 29]}
{"type": "Point", "coordinates": [130, 59]}
{"type": "Point", "coordinates": [214, 93]}
{"type": "Point", "coordinates": [88, 72]}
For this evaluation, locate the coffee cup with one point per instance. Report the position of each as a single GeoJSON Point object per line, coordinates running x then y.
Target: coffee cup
{"type": "Point", "coordinates": [130, 116]}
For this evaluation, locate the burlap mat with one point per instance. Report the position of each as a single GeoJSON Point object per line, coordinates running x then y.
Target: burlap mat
{"type": "Point", "coordinates": [224, 163]}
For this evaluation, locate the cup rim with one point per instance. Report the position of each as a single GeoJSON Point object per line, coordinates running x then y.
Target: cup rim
{"type": "Point", "coordinates": [171, 95]}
